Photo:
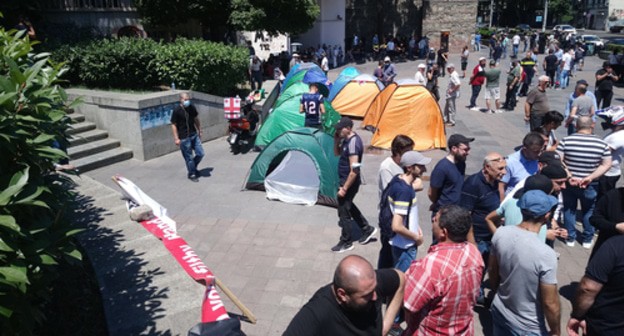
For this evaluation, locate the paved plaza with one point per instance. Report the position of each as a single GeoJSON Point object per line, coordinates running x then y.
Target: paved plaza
{"type": "Point", "coordinates": [273, 255]}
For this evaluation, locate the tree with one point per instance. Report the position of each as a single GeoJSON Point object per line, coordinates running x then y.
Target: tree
{"type": "Point", "coordinates": [219, 17]}
{"type": "Point", "coordinates": [35, 234]}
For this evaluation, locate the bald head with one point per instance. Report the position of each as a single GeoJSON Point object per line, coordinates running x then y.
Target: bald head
{"type": "Point", "coordinates": [584, 122]}
{"type": "Point", "coordinates": [351, 271]}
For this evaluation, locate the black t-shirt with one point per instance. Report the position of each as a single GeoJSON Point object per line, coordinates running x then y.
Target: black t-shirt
{"type": "Point", "coordinates": [606, 315]}
{"type": "Point", "coordinates": [322, 315]}
{"type": "Point", "coordinates": [184, 120]}
{"type": "Point", "coordinates": [605, 84]}
{"type": "Point", "coordinates": [551, 62]}
{"type": "Point", "coordinates": [350, 146]}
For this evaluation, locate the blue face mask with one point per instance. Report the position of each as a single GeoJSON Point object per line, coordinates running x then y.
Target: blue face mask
{"type": "Point", "coordinates": [187, 103]}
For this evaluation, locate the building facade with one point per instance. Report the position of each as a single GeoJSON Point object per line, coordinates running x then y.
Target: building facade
{"type": "Point", "coordinates": [603, 14]}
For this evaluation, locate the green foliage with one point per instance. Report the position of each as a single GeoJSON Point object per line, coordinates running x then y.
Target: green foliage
{"type": "Point", "coordinates": [486, 33]}
{"type": "Point", "coordinates": [613, 47]}
{"type": "Point", "coordinates": [129, 63]}
{"type": "Point", "coordinates": [203, 66]}
{"type": "Point", "coordinates": [34, 233]}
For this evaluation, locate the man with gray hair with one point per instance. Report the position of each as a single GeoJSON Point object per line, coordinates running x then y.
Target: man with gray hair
{"type": "Point", "coordinates": [587, 157]}
{"type": "Point", "coordinates": [452, 92]}
{"type": "Point", "coordinates": [536, 104]}
{"type": "Point", "coordinates": [187, 134]}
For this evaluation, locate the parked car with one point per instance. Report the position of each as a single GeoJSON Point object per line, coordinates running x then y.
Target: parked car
{"type": "Point", "coordinates": [592, 42]}
{"type": "Point", "coordinates": [565, 29]}
{"type": "Point", "coordinates": [523, 27]}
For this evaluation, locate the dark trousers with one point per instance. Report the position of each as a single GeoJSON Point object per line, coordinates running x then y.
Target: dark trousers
{"type": "Point", "coordinates": [603, 96]}
{"type": "Point", "coordinates": [606, 183]}
{"type": "Point", "coordinates": [475, 94]}
{"type": "Point", "coordinates": [552, 74]}
{"type": "Point", "coordinates": [348, 212]}
{"type": "Point", "coordinates": [510, 97]}
{"type": "Point", "coordinates": [535, 121]}
{"type": "Point", "coordinates": [385, 254]}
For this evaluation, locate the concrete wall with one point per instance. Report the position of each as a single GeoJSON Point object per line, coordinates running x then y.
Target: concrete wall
{"type": "Point", "coordinates": [141, 121]}
{"type": "Point", "coordinates": [329, 27]}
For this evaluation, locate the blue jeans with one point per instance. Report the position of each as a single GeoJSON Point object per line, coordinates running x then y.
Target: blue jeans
{"type": "Point", "coordinates": [565, 77]}
{"type": "Point", "coordinates": [403, 258]}
{"type": "Point", "coordinates": [587, 196]}
{"type": "Point", "coordinates": [500, 326]}
{"type": "Point", "coordinates": [187, 147]}
{"type": "Point", "coordinates": [475, 94]}
{"type": "Point", "coordinates": [484, 247]}
{"type": "Point", "coordinates": [515, 50]}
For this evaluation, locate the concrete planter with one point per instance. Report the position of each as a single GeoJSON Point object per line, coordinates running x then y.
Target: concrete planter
{"type": "Point", "coordinates": [141, 121]}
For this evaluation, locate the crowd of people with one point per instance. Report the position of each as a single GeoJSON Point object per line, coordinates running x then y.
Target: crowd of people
{"type": "Point", "coordinates": [501, 221]}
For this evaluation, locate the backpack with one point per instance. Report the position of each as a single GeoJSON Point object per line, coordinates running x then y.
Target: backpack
{"type": "Point", "coordinates": [385, 213]}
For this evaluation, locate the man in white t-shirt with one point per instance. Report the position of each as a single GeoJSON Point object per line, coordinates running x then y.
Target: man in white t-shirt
{"type": "Point", "coordinates": [452, 92]}
{"type": "Point", "coordinates": [388, 169]}
{"type": "Point", "coordinates": [420, 74]}
{"type": "Point", "coordinates": [324, 63]}
{"type": "Point", "coordinates": [566, 66]}
{"type": "Point", "coordinates": [515, 41]}
{"type": "Point", "coordinates": [615, 140]}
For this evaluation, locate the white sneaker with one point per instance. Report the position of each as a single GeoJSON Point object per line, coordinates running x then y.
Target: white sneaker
{"type": "Point", "coordinates": [498, 111]}
{"type": "Point", "coordinates": [476, 108]}
{"type": "Point", "coordinates": [587, 245]}
{"type": "Point", "coordinates": [570, 243]}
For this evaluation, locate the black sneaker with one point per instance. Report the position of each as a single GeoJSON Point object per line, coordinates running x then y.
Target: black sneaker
{"type": "Point", "coordinates": [342, 247]}
{"type": "Point", "coordinates": [367, 235]}
{"type": "Point", "coordinates": [193, 178]}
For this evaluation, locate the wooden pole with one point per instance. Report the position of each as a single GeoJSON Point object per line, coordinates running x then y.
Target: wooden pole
{"type": "Point", "coordinates": [246, 312]}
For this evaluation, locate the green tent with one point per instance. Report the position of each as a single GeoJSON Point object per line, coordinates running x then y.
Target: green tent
{"type": "Point", "coordinates": [298, 167]}
{"type": "Point", "coordinates": [285, 115]}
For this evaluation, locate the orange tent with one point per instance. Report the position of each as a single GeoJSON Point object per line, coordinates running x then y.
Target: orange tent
{"type": "Point", "coordinates": [356, 96]}
{"type": "Point", "coordinates": [406, 108]}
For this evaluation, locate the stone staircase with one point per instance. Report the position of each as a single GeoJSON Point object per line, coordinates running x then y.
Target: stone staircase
{"type": "Point", "coordinates": [91, 148]}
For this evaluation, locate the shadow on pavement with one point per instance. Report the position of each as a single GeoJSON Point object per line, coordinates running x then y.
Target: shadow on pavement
{"type": "Point", "coordinates": [131, 302]}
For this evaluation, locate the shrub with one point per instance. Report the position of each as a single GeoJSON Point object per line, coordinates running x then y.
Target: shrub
{"type": "Point", "coordinates": [202, 66]}
{"type": "Point", "coordinates": [613, 47]}
{"type": "Point", "coordinates": [35, 236]}
{"type": "Point", "coordinates": [130, 63]}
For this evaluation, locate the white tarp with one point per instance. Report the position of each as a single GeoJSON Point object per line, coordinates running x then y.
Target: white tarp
{"type": "Point", "coordinates": [294, 181]}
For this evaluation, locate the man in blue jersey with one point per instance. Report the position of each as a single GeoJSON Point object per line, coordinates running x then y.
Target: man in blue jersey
{"type": "Point", "coordinates": [312, 106]}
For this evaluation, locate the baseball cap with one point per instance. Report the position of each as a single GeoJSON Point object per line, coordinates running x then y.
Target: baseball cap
{"type": "Point", "coordinates": [387, 59]}
{"type": "Point", "coordinates": [535, 182]}
{"type": "Point", "coordinates": [482, 59]}
{"type": "Point", "coordinates": [344, 122]}
{"type": "Point", "coordinates": [456, 139]}
{"type": "Point", "coordinates": [411, 158]}
{"type": "Point", "coordinates": [421, 66]}
{"type": "Point", "coordinates": [550, 157]}
{"type": "Point", "coordinates": [537, 202]}
{"type": "Point", "coordinates": [554, 171]}
{"type": "Point", "coordinates": [582, 82]}
{"type": "Point", "coordinates": [450, 65]}
{"type": "Point", "coordinates": [295, 55]}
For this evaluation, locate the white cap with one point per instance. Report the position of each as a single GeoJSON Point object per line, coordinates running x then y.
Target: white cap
{"type": "Point", "coordinates": [422, 66]}
{"type": "Point", "coordinates": [387, 59]}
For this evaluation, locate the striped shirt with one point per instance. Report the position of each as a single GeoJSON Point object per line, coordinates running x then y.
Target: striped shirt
{"type": "Point", "coordinates": [402, 201]}
{"type": "Point", "coordinates": [583, 153]}
{"type": "Point", "coordinates": [441, 290]}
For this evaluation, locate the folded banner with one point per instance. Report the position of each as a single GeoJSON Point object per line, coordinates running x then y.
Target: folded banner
{"type": "Point", "coordinates": [164, 229]}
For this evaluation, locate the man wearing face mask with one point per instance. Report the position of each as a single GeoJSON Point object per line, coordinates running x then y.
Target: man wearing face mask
{"type": "Point", "coordinates": [352, 303]}
{"type": "Point", "coordinates": [187, 135]}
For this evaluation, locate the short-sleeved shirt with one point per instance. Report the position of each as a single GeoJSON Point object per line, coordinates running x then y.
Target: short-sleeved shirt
{"type": "Point", "coordinates": [448, 177]}
{"type": "Point", "coordinates": [387, 170]}
{"type": "Point", "coordinates": [350, 146]}
{"type": "Point", "coordinates": [513, 73]}
{"type": "Point", "coordinates": [322, 315]}
{"type": "Point", "coordinates": [184, 120]}
{"type": "Point", "coordinates": [312, 107]}
{"type": "Point", "coordinates": [518, 168]}
{"type": "Point", "coordinates": [492, 77]}
{"type": "Point", "coordinates": [607, 267]}
{"type": "Point", "coordinates": [480, 198]}
{"type": "Point", "coordinates": [478, 75]}
{"type": "Point", "coordinates": [402, 201]}
{"type": "Point", "coordinates": [441, 290]}
{"type": "Point", "coordinates": [551, 62]}
{"type": "Point", "coordinates": [570, 101]}
{"type": "Point", "coordinates": [453, 83]}
{"type": "Point", "coordinates": [606, 84]}
{"type": "Point", "coordinates": [567, 61]}
{"type": "Point", "coordinates": [583, 105]}
{"type": "Point", "coordinates": [538, 101]}
{"type": "Point", "coordinates": [513, 215]}
{"type": "Point", "coordinates": [583, 153]}
{"type": "Point", "coordinates": [524, 262]}
{"type": "Point", "coordinates": [616, 144]}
